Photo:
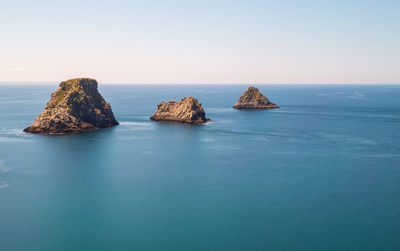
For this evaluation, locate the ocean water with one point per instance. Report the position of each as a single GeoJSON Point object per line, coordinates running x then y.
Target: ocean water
{"type": "Point", "coordinates": [320, 173]}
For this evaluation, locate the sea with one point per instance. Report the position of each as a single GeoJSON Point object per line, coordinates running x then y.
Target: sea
{"type": "Point", "coordinates": [320, 173]}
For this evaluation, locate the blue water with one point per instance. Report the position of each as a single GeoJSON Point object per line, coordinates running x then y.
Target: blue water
{"type": "Point", "coordinates": [321, 173]}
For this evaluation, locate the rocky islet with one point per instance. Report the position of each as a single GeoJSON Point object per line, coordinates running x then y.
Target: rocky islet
{"type": "Point", "coordinates": [76, 107]}
{"type": "Point", "coordinates": [252, 98]}
{"type": "Point", "coordinates": [188, 111]}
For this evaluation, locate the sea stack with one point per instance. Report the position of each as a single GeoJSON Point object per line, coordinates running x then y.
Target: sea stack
{"type": "Point", "coordinates": [252, 98]}
{"type": "Point", "coordinates": [188, 111]}
{"type": "Point", "coordinates": [76, 107]}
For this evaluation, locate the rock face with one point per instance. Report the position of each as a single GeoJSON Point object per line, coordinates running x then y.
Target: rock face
{"type": "Point", "coordinates": [76, 107]}
{"type": "Point", "coordinates": [188, 110]}
{"type": "Point", "coordinates": [252, 98]}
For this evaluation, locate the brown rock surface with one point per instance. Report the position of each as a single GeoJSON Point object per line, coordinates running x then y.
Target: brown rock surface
{"type": "Point", "coordinates": [188, 110]}
{"type": "Point", "coordinates": [252, 98]}
{"type": "Point", "coordinates": [76, 107]}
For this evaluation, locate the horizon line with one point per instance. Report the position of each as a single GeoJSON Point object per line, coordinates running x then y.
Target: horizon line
{"type": "Point", "coordinates": [248, 83]}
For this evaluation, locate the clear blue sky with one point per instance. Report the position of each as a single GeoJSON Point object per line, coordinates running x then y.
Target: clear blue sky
{"type": "Point", "coordinates": [201, 41]}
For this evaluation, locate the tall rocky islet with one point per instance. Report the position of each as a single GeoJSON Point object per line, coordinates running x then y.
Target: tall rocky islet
{"type": "Point", "coordinates": [252, 98]}
{"type": "Point", "coordinates": [76, 107]}
{"type": "Point", "coordinates": [188, 111]}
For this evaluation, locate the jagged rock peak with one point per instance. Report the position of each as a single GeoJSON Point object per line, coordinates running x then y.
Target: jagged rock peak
{"type": "Point", "coordinates": [252, 98]}
{"type": "Point", "coordinates": [76, 107]}
{"type": "Point", "coordinates": [188, 110]}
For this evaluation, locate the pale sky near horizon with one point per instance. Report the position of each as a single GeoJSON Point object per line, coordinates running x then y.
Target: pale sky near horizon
{"type": "Point", "coordinates": [205, 41]}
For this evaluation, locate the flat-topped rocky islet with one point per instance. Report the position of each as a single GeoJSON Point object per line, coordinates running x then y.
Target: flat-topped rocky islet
{"type": "Point", "coordinates": [76, 107]}
{"type": "Point", "coordinates": [188, 111]}
{"type": "Point", "coordinates": [252, 98]}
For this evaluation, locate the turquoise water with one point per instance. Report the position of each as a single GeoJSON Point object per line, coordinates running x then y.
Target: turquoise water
{"type": "Point", "coordinates": [321, 173]}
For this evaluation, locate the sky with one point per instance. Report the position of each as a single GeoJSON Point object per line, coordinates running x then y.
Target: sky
{"type": "Point", "coordinates": [202, 41]}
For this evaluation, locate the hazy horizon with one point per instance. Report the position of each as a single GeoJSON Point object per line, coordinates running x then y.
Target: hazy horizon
{"type": "Point", "coordinates": [250, 84]}
{"type": "Point", "coordinates": [207, 42]}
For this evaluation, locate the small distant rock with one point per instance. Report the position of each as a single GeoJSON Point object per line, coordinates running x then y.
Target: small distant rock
{"type": "Point", "coordinates": [188, 110]}
{"type": "Point", "coordinates": [252, 98]}
{"type": "Point", "coordinates": [76, 107]}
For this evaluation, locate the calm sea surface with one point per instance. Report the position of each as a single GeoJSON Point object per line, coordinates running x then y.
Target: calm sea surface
{"type": "Point", "coordinates": [321, 173]}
